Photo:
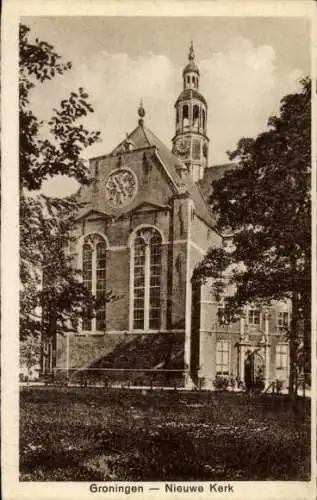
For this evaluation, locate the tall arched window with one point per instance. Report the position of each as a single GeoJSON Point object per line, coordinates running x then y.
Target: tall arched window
{"type": "Point", "coordinates": [94, 278]}
{"type": "Point", "coordinates": [147, 268]}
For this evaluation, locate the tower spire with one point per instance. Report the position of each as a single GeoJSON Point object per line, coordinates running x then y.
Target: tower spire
{"type": "Point", "coordinates": [191, 53]}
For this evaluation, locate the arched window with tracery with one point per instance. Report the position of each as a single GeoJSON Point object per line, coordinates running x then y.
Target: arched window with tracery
{"type": "Point", "coordinates": [146, 276]}
{"type": "Point", "coordinates": [94, 254]}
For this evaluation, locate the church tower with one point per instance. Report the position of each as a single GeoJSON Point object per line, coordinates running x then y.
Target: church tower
{"type": "Point", "coordinates": [190, 142]}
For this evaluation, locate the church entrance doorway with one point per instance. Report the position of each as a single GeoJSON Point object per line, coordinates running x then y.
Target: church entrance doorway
{"type": "Point", "coordinates": [253, 370]}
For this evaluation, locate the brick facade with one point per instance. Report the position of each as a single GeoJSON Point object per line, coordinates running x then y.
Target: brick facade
{"type": "Point", "coordinates": [142, 187]}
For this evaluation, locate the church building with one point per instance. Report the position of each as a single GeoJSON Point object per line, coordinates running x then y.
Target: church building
{"type": "Point", "coordinates": [145, 225]}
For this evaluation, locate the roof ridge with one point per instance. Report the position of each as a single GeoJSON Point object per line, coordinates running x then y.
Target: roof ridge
{"type": "Point", "coordinates": [123, 141]}
{"type": "Point", "coordinates": [145, 135]}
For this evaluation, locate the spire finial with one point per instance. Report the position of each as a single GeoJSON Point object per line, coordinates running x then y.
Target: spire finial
{"type": "Point", "coordinates": [141, 112]}
{"type": "Point", "coordinates": [191, 53]}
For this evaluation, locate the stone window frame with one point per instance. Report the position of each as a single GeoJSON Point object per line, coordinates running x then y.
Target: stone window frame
{"type": "Point", "coordinates": [282, 356]}
{"type": "Point", "coordinates": [93, 237]}
{"type": "Point", "coordinates": [253, 310]}
{"type": "Point", "coordinates": [221, 313]}
{"type": "Point", "coordinates": [223, 372]}
{"type": "Point", "coordinates": [148, 232]}
{"type": "Point", "coordinates": [282, 326]}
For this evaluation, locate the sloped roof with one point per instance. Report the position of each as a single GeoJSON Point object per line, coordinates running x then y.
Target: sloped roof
{"type": "Point", "coordinates": [143, 137]}
{"type": "Point", "coordinates": [187, 94]}
{"type": "Point", "coordinates": [212, 174]}
{"type": "Point", "coordinates": [191, 66]}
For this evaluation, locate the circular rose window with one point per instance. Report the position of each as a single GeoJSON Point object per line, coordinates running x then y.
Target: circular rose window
{"type": "Point", "coordinates": [121, 187]}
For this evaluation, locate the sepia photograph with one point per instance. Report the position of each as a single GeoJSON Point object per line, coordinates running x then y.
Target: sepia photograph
{"type": "Point", "coordinates": [165, 254]}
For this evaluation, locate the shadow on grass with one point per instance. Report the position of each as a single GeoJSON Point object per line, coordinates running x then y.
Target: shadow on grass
{"type": "Point", "coordinates": [93, 435]}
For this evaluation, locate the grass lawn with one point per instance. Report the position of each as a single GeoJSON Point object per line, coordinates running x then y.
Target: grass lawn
{"type": "Point", "coordinates": [94, 434]}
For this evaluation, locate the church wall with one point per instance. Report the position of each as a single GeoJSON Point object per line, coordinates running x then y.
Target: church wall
{"type": "Point", "coordinates": [180, 221]}
{"type": "Point", "coordinates": [202, 235]}
{"type": "Point", "coordinates": [207, 354]}
{"type": "Point", "coordinates": [118, 231]}
{"type": "Point", "coordinates": [201, 238]}
{"type": "Point", "coordinates": [152, 183]}
{"type": "Point", "coordinates": [178, 292]}
{"type": "Point", "coordinates": [94, 225]}
{"type": "Point", "coordinates": [141, 359]}
{"type": "Point", "coordinates": [118, 344]}
{"type": "Point", "coordinates": [178, 234]}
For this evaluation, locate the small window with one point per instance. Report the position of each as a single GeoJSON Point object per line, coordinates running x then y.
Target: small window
{"type": "Point", "coordinates": [283, 320]}
{"type": "Point", "coordinates": [281, 361]}
{"type": "Point", "coordinates": [223, 317]}
{"type": "Point", "coordinates": [254, 316]}
{"type": "Point", "coordinates": [185, 116]}
{"type": "Point", "coordinates": [222, 357]}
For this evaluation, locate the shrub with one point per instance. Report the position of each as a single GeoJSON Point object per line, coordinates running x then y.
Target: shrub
{"type": "Point", "coordinates": [221, 383]}
{"type": "Point", "coordinates": [259, 384]}
{"type": "Point", "coordinates": [279, 384]}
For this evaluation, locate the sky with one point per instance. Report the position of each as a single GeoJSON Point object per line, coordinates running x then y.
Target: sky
{"type": "Point", "coordinates": [246, 64]}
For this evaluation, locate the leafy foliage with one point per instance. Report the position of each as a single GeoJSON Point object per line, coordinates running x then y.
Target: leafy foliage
{"type": "Point", "coordinates": [52, 295]}
{"type": "Point", "coordinates": [30, 351]}
{"type": "Point", "coordinates": [42, 157]}
{"type": "Point", "coordinates": [265, 203]}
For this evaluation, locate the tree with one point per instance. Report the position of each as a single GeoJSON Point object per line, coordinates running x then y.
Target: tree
{"type": "Point", "coordinates": [52, 298]}
{"type": "Point", "coordinates": [265, 203]}
{"type": "Point", "coordinates": [30, 351]}
{"type": "Point", "coordinates": [60, 151]}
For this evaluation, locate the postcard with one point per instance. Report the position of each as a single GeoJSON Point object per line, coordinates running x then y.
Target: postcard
{"type": "Point", "coordinates": [158, 250]}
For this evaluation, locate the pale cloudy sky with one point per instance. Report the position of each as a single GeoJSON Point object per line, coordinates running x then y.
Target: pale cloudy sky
{"type": "Point", "coordinates": [247, 65]}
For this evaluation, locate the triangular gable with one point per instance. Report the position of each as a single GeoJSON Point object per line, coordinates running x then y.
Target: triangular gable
{"type": "Point", "coordinates": [92, 213]}
{"type": "Point", "coordinates": [148, 207]}
{"type": "Point", "coordinates": [137, 138]}
{"type": "Point", "coordinates": [143, 138]}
